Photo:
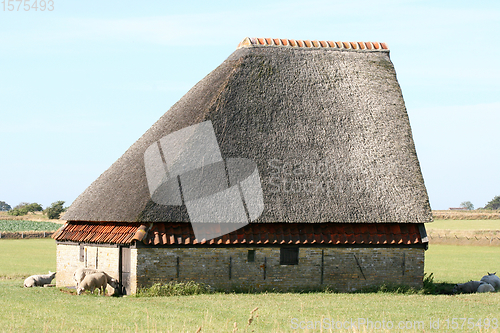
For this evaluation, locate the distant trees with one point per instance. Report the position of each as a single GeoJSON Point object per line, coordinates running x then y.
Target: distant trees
{"type": "Point", "coordinates": [25, 208]}
{"type": "Point", "coordinates": [4, 206]}
{"type": "Point", "coordinates": [55, 210]}
{"type": "Point", "coordinates": [467, 205]}
{"type": "Point", "coordinates": [493, 204]}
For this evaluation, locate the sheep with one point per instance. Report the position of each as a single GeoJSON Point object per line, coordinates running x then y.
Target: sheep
{"type": "Point", "coordinates": [80, 274]}
{"type": "Point", "coordinates": [39, 280]}
{"type": "Point", "coordinates": [485, 288]}
{"type": "Point", "coordinates": [492, 279]}
{"type": "Point", "coordinates": [468, 287]}
{"type": "Point", "coordinates": [93, 281]}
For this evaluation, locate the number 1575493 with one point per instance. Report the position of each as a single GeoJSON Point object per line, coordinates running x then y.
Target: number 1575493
{"type": "Point", "coordinates": [27, 5]}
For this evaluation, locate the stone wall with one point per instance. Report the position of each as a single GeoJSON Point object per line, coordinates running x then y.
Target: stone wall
{"type": "Point", "coordinates": [344, 269]}
{"type": "Point", "coordinates": [71, 257]}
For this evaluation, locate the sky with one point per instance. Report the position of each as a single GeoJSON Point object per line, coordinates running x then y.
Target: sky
{"type": "Point", "coordinates": [82, 82]}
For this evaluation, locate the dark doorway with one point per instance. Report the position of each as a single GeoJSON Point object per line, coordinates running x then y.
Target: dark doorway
{"type": "Point", "coordinates": [124, 264]}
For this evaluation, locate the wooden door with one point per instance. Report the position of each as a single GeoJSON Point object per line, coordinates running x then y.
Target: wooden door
{"type": "Point", "coordinates": [125, 270]}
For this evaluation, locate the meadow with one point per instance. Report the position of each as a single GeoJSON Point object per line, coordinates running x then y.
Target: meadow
{"type": "Point", "coordinates": [464, 225]}
{"type": "Point", "coordinates": [59, 310]}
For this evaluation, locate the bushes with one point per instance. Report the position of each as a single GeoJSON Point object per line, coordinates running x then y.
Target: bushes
{"type": "Point", "coordinates": [494, 203]}
{"type": "Point", "coordinates": [25, 208]}
{"type": "Point", "coordinates": [193, 288]}
{"type": "Point", "coordinates": [4, 207]}
{"type": "Point", "coordinates": [55, 210]}
{"type": "Point", "coordinates": [174, 289]}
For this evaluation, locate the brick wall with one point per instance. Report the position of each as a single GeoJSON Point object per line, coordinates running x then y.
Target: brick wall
{"type": "Point", "coordinates": [68, 261]}
{"type": "Point", "coordinates": [228, 268]}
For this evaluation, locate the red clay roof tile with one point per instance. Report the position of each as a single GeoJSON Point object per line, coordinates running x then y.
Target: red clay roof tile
{"type": "Point", "coordinates": [252, 234]}
{"type": "Point", "coordinates": [366, 46]}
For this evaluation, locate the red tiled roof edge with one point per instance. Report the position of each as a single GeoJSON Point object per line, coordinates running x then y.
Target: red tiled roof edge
{"type": "Point", "coordinates": [273, 234]}
{"type": "Point", "coordinates": [292, 233]}
{"type": "Point", "coordinates": [99, 233]}
{"type": "Point", "coordinates": [320, 44]}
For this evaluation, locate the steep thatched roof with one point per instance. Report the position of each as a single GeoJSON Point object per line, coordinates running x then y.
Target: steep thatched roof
{"type": "Point", "coordinates": [324, 122]}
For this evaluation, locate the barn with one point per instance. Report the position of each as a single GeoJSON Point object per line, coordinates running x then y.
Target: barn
{"type": "Point", "coordinates": [290, 166]}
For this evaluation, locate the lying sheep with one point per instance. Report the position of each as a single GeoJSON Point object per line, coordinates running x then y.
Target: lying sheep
{"type": "Point", "coordinates": [492, 279]}
{"type": "Point", "coordinates": [468, 287]}
{"type": "Point", "coordinates": [39, 280]}
{"type": "Point", "coordinates": [485, 288]}
{"type": "Point", "coordinates": [93, 281]}
{"type": "Point", "coordinates": [80, 274]}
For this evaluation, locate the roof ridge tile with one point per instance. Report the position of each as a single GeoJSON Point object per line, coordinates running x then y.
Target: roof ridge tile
{"type": "Point", "coordinates": [309, 44]}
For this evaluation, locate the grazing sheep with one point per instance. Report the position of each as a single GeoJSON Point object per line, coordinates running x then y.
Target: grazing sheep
{"type": "Point", "coordinates": [92, 281]}
{"type": "Point", "coordinates": [468, 287]}
{"type": "Point", "coordinates": [80, 274]}
{"type": "Point", "coordinates": [39, 280]}
{"type": "Point", "coordinates": [492, 279]}
{"type": "Point", "coordinates": [485, 288]}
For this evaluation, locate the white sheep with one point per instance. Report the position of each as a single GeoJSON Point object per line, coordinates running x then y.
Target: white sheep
{"type": "Point", "coordinates": [485, 288]}
{"type": "Point", "coordinates": [80, 274]}
{"type": "Point", "coordinates": [492, 279]}
{"type": "Point", "coordinates": [468, 287]}
{"type": "Point", "coordinates": [93, 281]}
{"type": "Point", "coordinates": [39, 280]}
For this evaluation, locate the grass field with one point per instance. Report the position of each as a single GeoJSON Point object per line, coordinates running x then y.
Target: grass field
{"type": "Point", "coordinates": [457, 264]}
{"type": "Point", "coordinates": [481, 214]}
{"type": "Point", "coordinates": [464, 225]}
{"type": "Point", "coordinates": [50, 310]}
{"type": "Point", "coordinates": [22, 257]}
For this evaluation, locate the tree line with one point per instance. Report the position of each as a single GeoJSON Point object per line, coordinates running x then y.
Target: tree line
{"type": "Point", "coordinates": [54, 211]}
{"type": "Point", "coordinates": [494, 204]}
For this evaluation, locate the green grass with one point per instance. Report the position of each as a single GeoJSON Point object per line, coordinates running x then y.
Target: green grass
{"type": "Point", "coordinates": [25, 257]}
{"type": "Point", "coordinates": [52, 310]}
{"type": "Point", "coordinates": [464, 224]}
{"type": "Point", "coordinates": [20, 225]}
{"type": "Point", "coordinates": [458, 264]}
{"type": "Point", "coordinates": [49, 310]}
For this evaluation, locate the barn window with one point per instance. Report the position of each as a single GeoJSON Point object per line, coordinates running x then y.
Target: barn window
{"type": "Point", "coordinates": [289, 256]}
{"type": "Point", "coordinates": [251, 256]}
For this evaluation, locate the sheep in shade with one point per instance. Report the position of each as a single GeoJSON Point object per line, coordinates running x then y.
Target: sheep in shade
{"type": "Point", "coordinates": [93, 281]}
{"type": "Point", "coordinates": [39, 280]}
{"type": "Point", "coordinates": [492, 279]}
{"type": "Point", "coordinates": [80, 274]}
{"type": "Point", "coordinates": [468, 287]}
{"type": "Point", "coordinates": [485, 288]}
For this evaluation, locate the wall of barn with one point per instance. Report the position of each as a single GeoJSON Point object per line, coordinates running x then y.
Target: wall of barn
{"type": "Point", "coordinates": [344, 269]}
{"type": "Point", "coordinates": [70, 257]}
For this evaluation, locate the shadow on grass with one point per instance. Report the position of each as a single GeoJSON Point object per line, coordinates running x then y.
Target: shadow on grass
{"type": "Point", "coordinates": [72, 291]}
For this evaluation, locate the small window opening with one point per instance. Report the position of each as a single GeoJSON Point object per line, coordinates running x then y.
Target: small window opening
{"type": "Point", "coordinates": [251, 256]}
{"type": "Point", "coordinates": [289, 256]}
{"type": "Point", "coordinates": [82, 253]}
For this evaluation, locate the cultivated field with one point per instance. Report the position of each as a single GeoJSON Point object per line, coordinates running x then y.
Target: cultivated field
{"type": "Point", "coordinates": [53, 310]}
{"type": "Point", "coordinates": [464, 232]}
{"type": "Point", "coordinates": [481, 214]}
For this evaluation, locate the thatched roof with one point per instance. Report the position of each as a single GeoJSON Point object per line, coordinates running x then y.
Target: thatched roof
{"type": "Point", "coordinates": [324, 122]}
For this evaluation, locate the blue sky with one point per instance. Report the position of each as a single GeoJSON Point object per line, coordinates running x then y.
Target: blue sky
{"type": "Point", "coordinates": [81, 83]}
